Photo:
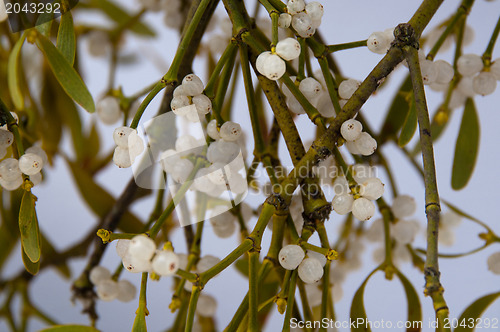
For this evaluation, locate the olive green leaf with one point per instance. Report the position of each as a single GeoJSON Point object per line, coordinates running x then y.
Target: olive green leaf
{"type": "Point", "coordinates": [466, 148]}
{"type": "Point", "coordinates": [414, 307]}
{"type": "Point", "coordinates": [397, 112]}
{"type": "Point", "coordinates": [31, 267]}
{"type": "Point", "coordinates": [358, 306]}
{"type": "Point", "coordinates": [28, 226]}
{"type": "Point", "coordinates": [409, 126]}
{"type": "Point", "coordinates": [474, 311]}
{"type": "Point", "coordinates": [66, 42]}
{"type": "Point", "coordinates": [70, 328]}
{"type": "Point", "coordinates": [14, 74]}
{"type": "Point", "coordinates": [66, 75]}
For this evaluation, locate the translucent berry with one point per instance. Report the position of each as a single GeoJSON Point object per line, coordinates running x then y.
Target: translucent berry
{"type": "Point", "coordinates": [192, 85]}
{"type": "Point", "coordinates": [9, 169]}
{"type": "Point", "coordinates": [311, 89]}
{"type": "Point", "coordinates": [108, 110]}
{"type": "Point", "coordinates": [39, 151]}
{"type": "Point", "coordinates": [202, 182]}
{"type": "Point", "coordinates": [212, 130]}
{"type": "Point", "coordinates": [206, 262]}
{"type": "Point", "coordinates": [121, 157]}
{"type": "Point", "coordinates": [484, 83]}
{"type": "Point", "coordinates": [219, 173]}
{"type": "Point", "coordinates": [185, 143]}
{"type": "Point", "coordinates": [98, 43]}
{"type": "Point", "coordinates": [126, 291]}
{"type": "Point", "coordinates": [314, 295]}
{"type": "Point", "coordinates": [316, 255]}
{"type": "Point", "coordinates": [120, 136]}
{"type": "Point", "coordinates": [342, 204]}
{"type": "Point", "coordinates": [403, 206]}
{"type": "Point", "coordinates": [347, 88]}
{"type": "Point", "coordinates": [36, 179]}
{"type": "Point", "coordinates": [288, 49]}
{"type": "Point", "coordinates": [404, 231]}
{"type": "Point", "coordinates": [494, 263]}
{"type": "Point", "coordinates": [363, 209]}
{"type": "Point", "coordinates": [12, 184]}
{"type": "Point", "coordinates": [341, 185]}
{"type": "Point", "coordinates": [168, 159]}
{"type": "Point", "coordinates": [207, 305]}
{"type": "Point", "coordinates": [295, 6]}
{"type": "Point", "coordinates": [351, 129]}
{"type": "Point", "coordinates": [181, 170]}
{"type": "Point", "coordinates": [99, 274]}
{"type": "Point", "coordinates": [444, 71]}
{"type": "Point", "coordinates": [141, 247]}
{"type": "Point", "coordinates": [378, 42]}
{"type": "Point", "coordinates": [290, 256]}
{"type": "Point", "coordinates": [365, 144]}
{"type": "Point", "coordinates": [274, 67]}
{"type": "Point", "coordinates": [469, 64]}
{"type": "Point", "coordinates": [261, 60]}
{"type": "Point", "coordinates": [107, 290]}
{"type": "Point", "coordinates": [429, 72]}
{"type": "Point", "coordinates": [6, 138]}
{"type": "Point", "coordinates": [30, 163]}
{"type": "Point", "coordinates": [136, 145]}
{"type": "Point", "coordinates": [375, 233]}
{"type": "Point", "coordinates": [230, 131]}
{"type": "Point", "coordinates": [165, 263]}
{"type": "Point", "coordinates": [284, 20]}
{"type": "Point", "coordinates": [136, 265]}
{"type": "Point", "coordinates": [466, 87]}
{"type": "Point", "coordinates": [223, 222]}
{"type": "Point", "coordinates": [315, 11]}
{"type": "Point", "coordinates": [178, 105]}
{"type": "Point", "coordinates": [203, 104]}
{"type": "Point", "coordinates": [179, 91]}
{"type": "Point", "coordinates": [361, 172]}
{"type": "Point", "coordinates": [310, 270]}
{"type": "Point", "coordinates": [303, 24]}
{"type": "Point", "coordinates": [372, 189]}
{"type": "Point", "coordinates": [122, 247]}
{"type": "Point", "coordinates": [495, 68]}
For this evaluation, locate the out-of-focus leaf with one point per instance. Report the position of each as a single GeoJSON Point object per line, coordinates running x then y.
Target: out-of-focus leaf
{"type": "Point", "coordinates": [28, 225]}
{"type": "Point", "coordinates": [466, 147]}
{"type": "Point", "coordinates": [9, 227]}
{"type": "Point", "coordinates": [48, 250]}
{"type": "Point", "coordinates": [14, 75]}
{"type": "Point", "coordinates": [409, 126]}
{"type": "Point", "coordinates": [92, 144]}
{"type": "Point", "coordinates": [465, 215]}
{"type": "Point", "coordinates": [51, 122]}
{"type": "Point", "coordinates": [358, 306]}
{"type": "Point", "coordinates": [66, 75]}
{"type": "Point", "coordinates": [100, 201]}
{"type": "Point", "coordinates": [66, 42]}
{"type": "Point", "coordinates": [397, 112]}
{"type": "Point", "coordinates": [414, 307]}
{"type": "Point", "coordinates": [120, 16]}
{"type": "Point", "coordinates": [44, 28]}
{"type": "Point", "coordinates": [70, 328]}
{"type": "Point", "coordinates": [31, 267]}
{"type": "Point", "coordinates": [474, 311]}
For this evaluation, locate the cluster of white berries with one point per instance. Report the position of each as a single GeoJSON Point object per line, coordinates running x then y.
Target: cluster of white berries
{"type": "Point", "coordinates": [140, 255]}
{"type": "Point", "coordinates": [448, 221]}
{"type": "Point", "coordinates": [475, 80]}
{"type": "Point", "coordinates": [310, 268]}
{"type": "Point", "coordinates": [188, 99]}
{"type": "Point", "coordinates": [108, 289]}
{"type": "Point", "coordinates": [108, 110]}
{"type": "Point", "coordinates": [357, 141]}
{"type": "Point", "coordinates": [403, 230]}
{"type": "Point", "coordinates": [272, 65]}
{"type": "Point", "coordinates": [305, 19]}
{"type": "Point", "coordinates": [30, 163]}
{"type": "Point", "coordinates": [129, 145]}
{"type": "Point", "coordinates": [360, 203]}
{"type": "Point", "coordinates": [380, 41]}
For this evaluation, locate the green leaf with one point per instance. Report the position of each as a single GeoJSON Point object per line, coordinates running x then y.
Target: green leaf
{"type": "Point", "coordinates": [414, 307]}
{"type": "Point", "coordinates": [67, 76]}
{"type": "Point", "coordinates": [466, 147]}
{"type": "Point", "coordinates": [409, 126]}
{"type": "Point", "coordinates": [100, 201]}
{"type": "Point", "coordinates": [397, 112]}
{"type": "Point", "coordinates": [358, 306]}
{"type": "Point", "coordinates": [70, 328]}
{"type": "Point", "coordinates": [48, 250]}
{"type": "Point", "coordinates": [31, 267]}
{"type": "Point", "coordinates": [465, 215]}
{"type": "Point", "coordinates": [474, 311]}
{"type": "Point", "coordinates": [120, 16]}
{"type": "Point", "coordinates": [14, 75]}
{"type": "Point", "coordinates": [28, 225]}
{"type": "Point", "coordinates": [44, 28]}
{"type": "Point", "coordinates": [66, 42]}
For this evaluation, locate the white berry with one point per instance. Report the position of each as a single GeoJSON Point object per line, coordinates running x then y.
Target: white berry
{"type": "Point", "coordinates": [120, 136]}
{"type": "Point", "coordinates": [206, 262]}
{"type": "Point", "coordinates": [295, 6]}
{"type": "Point", "coordinates": [372, 189]}
{"type": "Point", "coordinates": [303, 24]}
{"type": "Point", "coordinates": [30, 163]}
{"type": "Point", "coordinates": [310, 270]}
{"type": "Point", "coordinates": [126, 291]}
{"type": "Point", "coordinates": [347, 88]}
{"type": "Point", "coordinates": [207, 306]}
{"type": "Point", "coordinates": [378, 42]}
{"type": "Point", "coordinates": [9, 169]}
{"type": "Point", "coordinates": [342, 204]}
{"type": "Point", "coordinates": [99, 274]}
{"type": "Point", "coordinates": [165, 263]}
{"type": "Point", "coordinates": [6, 138]}
{"type": "Point", "coordinates": [351, 129]}
{"type": "Point", "coordinates": [469, 64]}
{"type": "Point", "coordinates": [484, 83]}
{"type": "Point", "coordinates": [107, 290]}
{"type": "Point", "coordinates": [290, 256]}
{"type": "Point", "coordinates": [108, 110]}
{"type": "Point", "coordinates": [141, 247]}
{"type": "Point", "coordinates": [192, 85]}
{"type": "Point", "coordinates": [230, 131]}
{"type": "Point", "coordinates": [288, 49]}
{"type": "Point", "coordinates": [403, 206]}
{"type": "Point", "coordinates": [363, 209]}
{"type": "Point", "coordinates": [284, 20]}
{"type": "Point", "coordinates": [494, 263]}
{"type": "Point", "coordinates": [365, 144]}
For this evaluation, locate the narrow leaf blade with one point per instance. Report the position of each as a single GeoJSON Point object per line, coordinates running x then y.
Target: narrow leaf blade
{"type": "Point", "coordinates": [66, 75]}
{"type": "Point", "coordinates": [414, 307]}
{"type": "Point", "coordinates": [70, 328]}
{"type": "Point", "coordinates": [13, 74]}
{"type": "Point", "coordinates": [28, 225]}
{"type": "Point", "coordinates": [397, 112]}
{"type": "Point", "coordinates": [66, 42]}
{"type": "Point", "coordinates": [31, 267]}
{"type": "Point", "coordinates": [466, 147]}
{"type": "Point", "coordinates": [409, 126]}
{"type": "Point", "coordinates": [358, 306]}
{"type": "Point", "coordinates": [475, 310]}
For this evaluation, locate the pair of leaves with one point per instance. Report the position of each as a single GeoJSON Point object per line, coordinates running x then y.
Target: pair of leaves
{"type": "Point", "coordinates": [30, 233]}
{"type": "Point", "coordinates": [414, 309]}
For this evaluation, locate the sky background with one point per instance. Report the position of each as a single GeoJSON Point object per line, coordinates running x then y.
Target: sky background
{"type": "Point", "coordinates": [64, 217]}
